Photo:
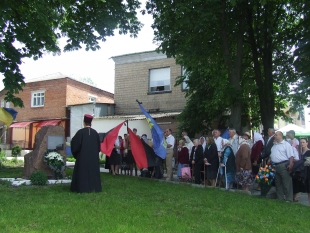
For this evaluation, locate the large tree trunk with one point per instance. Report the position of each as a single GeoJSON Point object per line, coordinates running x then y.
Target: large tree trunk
{"type": "Point", "coordinates": [234, 65]}
{"type": "Point", "coordinates": [262, 56]}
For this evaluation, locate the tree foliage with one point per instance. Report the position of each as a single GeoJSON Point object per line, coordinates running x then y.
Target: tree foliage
{"type": "Point", "coordinates": [29, 28]}
{"type": "Point", "coordinates": [237, 54]}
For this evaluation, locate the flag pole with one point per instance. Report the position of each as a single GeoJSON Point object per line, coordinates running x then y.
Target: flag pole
{"type": "Point", "coordinates": [139, 102]}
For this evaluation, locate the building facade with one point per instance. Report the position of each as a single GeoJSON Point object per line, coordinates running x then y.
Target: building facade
{"type": "Point", "coordinates": [46, 100]}
{"type": "Point", "coordinates": [150, 78]}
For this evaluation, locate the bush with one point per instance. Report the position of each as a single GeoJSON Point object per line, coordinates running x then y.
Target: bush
{"type": "Point", "coordinates": [2, 158]}
{"type": "Point", "coordinates": [38, 178]}
{"type": "Point", "coordinates": [16, 150]}
{"type": "Point", "coordinates": [71, 159]}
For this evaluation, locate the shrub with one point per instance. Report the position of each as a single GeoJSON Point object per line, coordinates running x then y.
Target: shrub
{"type": "Point", "coordinates": [16, 151]}
{"type": "Point", "coordinates": [2, 158]}
{"type": "Point", "coordinates": [38, 178]}
{"type": "Point", "coordinates": [71, 159]}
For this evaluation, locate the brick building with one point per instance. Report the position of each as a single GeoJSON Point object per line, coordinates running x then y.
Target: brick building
{"type": "Point", "coordinates": [46, 102]}
{"type": "Point", "coordinates": [150, 78]}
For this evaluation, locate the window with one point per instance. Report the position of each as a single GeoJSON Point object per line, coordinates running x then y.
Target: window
{"type": "Point", "coordinates": [7, 104]}
{"type": "Point", "coordinates": [2, 103]}
{"type": "Point", "coordinates": [184, 83]}
{"type": "Point", "coordinates": [160, 80]}
{"type": "Point", "coordinates": [37, 98]}
{"type": "Point", "coordinates": [92, 99]}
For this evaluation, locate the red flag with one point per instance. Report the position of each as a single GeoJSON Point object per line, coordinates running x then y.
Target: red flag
{"type": "Point", "coordinates": [107, 145]}
{"type": "Point", "coordinates": [137, 149]}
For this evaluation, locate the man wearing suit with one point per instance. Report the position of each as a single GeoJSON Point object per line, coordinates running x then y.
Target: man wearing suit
{"type": "Point", "coordinates": [269, 144]}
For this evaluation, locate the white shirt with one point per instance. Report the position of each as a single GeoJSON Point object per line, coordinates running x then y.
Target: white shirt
{"type": "Point", "coordinates": [282, 151]}
{"type": "Point", "coordinates": [117, 144]}
{"type": "Point", "coordinates": [170, 140]}
{"type": "Point", "coordinates": [218, 142]}
{"type": "Point", "coordinates": [295, 153]}
{"type": "Point", "coordinates": [296, 141]}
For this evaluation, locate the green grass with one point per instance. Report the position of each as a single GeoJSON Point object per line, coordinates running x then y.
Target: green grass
{"type": "Point", "coordinates": [131, 204]}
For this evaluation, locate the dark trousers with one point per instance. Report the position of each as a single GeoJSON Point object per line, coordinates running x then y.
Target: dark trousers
{"type": "Point", "coordinates": [197, 173]}
{"type": "Point", "coordinates": [283, 182]}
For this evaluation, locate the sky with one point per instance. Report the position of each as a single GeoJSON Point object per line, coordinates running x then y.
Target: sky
{"type": "Point", "coordinates": [88, 64]}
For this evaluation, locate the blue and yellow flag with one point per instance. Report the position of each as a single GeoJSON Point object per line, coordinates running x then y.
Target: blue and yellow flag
{"type": "Point", "coordinates": [159, 141]}
{"type": "Point", "coordinates": [7, 115]}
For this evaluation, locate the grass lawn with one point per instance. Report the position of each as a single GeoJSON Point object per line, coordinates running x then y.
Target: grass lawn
{"type": "Point", "coordinates": [131, 204]}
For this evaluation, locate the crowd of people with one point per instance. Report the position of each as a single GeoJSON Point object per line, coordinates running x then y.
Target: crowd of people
{"type": "Point", "coordinates": [238, 160]}
{"type": "Point", "coordinates": [227, 162]}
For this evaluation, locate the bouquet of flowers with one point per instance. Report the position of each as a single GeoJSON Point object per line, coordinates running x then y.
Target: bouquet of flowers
{"type": "Point", "coordinates": [266, 174]}
{"type": "Point", "coordinates": [55, 161]}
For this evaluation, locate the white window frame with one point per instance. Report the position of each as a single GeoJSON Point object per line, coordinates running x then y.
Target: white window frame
{"type": "Point", "coordinates": [91, 97]}
{"type": "Point", "coordinates": [161, 76]}
{"type": "Point", "coordinates": [34, 95]}
{"type": "Point", "coordinates": [7, 104]}
{"type": "Point", "coordinates": [2, 103]}
{"type": "Point", "coordinates": [184, 84]}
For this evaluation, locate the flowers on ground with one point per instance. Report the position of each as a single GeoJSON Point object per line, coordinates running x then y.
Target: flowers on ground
{"type": "Point", "coordinates": [55, 161]}
{"type": "Point", "coordinates": [266, 174]}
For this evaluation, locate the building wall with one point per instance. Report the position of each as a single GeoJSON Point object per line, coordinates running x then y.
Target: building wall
{"type": "Point", "coordinates": [78, 93]}
{"type": "Point", "coordinates": [54, 101]}
{"type": "Point", "coordinates": [132, 82]}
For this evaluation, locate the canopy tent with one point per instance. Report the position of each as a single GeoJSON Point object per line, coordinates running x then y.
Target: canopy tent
{"type": "Point", "coordinates": [299, 131]}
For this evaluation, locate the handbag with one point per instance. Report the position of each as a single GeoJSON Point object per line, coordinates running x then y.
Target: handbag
{"type": "Point", "coordinates": [307, 161]}
{"type": "Point", "coordinates": [186, 173]}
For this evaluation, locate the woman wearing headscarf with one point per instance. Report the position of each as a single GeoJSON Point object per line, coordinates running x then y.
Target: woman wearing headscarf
{"type": "Point", "coordinates": [202, 141]}
{"type": "Point", "coordinates": [196, 159]}
{"type": "Point", "coordinates": [227, 163]}
{"type": "Point", "coordinates": [256, 151]}
{"type": "Point", "coordinates": [211, 160]}
{"type": "Point", "coordinates": [244, 174]}
{"type": "Point", "coordinates": [188, 143]}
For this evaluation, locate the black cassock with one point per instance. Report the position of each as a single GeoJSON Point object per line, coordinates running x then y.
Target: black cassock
{"type": "Point", "coordinates": [85, 147]}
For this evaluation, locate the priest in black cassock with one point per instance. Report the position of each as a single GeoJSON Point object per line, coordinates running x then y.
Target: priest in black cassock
{"type": "Point", "coordinates": [85, 147]}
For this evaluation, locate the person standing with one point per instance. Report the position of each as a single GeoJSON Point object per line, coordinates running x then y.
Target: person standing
{"type": "Point", "coordinates": [85, 147]}
{"type": "Point", "coordinates": [115, 158]}
{"type": "Point", "coordinates": [233, 140]}
{"type": "Point", "coordinates": [294, 141]}
{"type": "Point", "coordinates": [170, 145]}
{"type": "Point", "coordinates": [269, 144]}
{"type": "Point", "coordinates": [282, 156]}
{"type": "Point", "coordinates": [211, 160]}
{"type": "Point", "coordinates": [196, 159]}
{"type": "Point", "coordinates": [305, 152]}
{"type": "Point", "coordinates": [219, 144]}
{"type": "Point", "coordinates": [244, 174]}
{"type": "Point", "coordinates": [183, 154]}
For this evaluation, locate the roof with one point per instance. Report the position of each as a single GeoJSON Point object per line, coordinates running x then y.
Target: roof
{"type": "Point", "coordinates": [140, 117]}
{"type": "Point", "coordinates": [48, 77]}
{"type": "Point", "coordinates": [138, 57]}
{"type": "Point", "coordinates": [91, 103]}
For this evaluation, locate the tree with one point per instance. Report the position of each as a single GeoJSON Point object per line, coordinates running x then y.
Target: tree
{"type": "Point", "coordinates": [302, 56]}
{"type": "Point", "coordinates": [250, 40]}
{"type": "Point", "coordinates": [198, 32]}
{"type": "Point", "coordinates": [31, 27]}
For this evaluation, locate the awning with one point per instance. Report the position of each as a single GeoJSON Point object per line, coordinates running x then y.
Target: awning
{"type": "Point", "coordinates": [21, 124]}
{"type": "Point", "coordinates": [48, 123]}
